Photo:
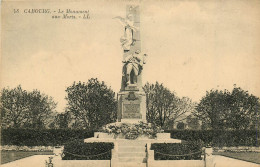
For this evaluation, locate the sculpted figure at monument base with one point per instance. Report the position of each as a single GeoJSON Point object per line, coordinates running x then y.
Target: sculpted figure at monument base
{"type": "Point", "coordinates": [133, 65]}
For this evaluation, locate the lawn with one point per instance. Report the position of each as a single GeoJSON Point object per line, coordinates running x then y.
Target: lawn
{"type": "Point", "coordinates": [246, 156]}
{"type": "Point", "coordinates": [9, 156]}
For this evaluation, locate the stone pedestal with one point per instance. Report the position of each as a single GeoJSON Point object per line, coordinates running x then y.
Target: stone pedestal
{"type": "Point", "coordinates": [131, 105]}
{"type": "Point", "coordinates": [131, 98]}
{"type": "Point", "coordinates": [209, 160]}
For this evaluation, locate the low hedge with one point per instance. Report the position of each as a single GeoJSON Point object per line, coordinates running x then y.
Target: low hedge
{"type": "Point", "coordinates": [53, 137]}
{"type": "Point", "coordinates": [42, 137]}
{"type": "Point", "coordinates": [219, 138]}
{"type": "Point", "coordinates": [177, 151]}
{"type": "Point", "coordinates": [78, 150]}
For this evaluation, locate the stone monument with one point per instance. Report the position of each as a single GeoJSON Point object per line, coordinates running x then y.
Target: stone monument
{"type": "Point", "coordinates": [131, 106]}
{"type": "Point", "coordinates": [131, 98]}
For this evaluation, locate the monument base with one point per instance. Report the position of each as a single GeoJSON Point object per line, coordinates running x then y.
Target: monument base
{"type": "Point", "coordinates": [106, 137]}
{"type": "Point", "coordinates": [131, 106]}
{"type": "Point", "coordinates": [127, 152]}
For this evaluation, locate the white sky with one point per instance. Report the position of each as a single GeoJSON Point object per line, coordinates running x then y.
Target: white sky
{"type": "Point", "coordinates": [192, 47]}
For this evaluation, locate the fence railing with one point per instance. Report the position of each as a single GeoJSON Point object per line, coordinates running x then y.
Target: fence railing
{"type": "Point", "coordinates": [206, 154]}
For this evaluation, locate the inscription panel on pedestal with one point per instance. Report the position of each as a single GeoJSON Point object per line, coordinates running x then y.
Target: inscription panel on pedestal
{"type": "Point", "coordinates": [131, 111]}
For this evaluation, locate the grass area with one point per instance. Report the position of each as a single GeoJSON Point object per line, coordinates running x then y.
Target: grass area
{"type": "Point", "coordinates": [245, 156]}
{"type": "Point", "coordinates": [9, 156]}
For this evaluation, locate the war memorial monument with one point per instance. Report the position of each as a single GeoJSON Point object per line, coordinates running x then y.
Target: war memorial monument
{"type": "Point", "coordinates": [131, 98]}
{"type": "Point", "coordinates": [131, 150]}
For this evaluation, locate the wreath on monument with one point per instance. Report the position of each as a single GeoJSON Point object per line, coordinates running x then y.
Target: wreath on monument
{"type": "Point", "coordinates": [132, 131]}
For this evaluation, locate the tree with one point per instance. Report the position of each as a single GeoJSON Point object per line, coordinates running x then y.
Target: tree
{"type": "Point", "coordinates": [92, 104]}
{"type": "Point", "coordinates": [14, 106]}
{"type": "Point", "coordinates": [183, 106]}
{"type": "Point", "coordinates": [20, 108]}
{"type": "Point", "coordinates": [40, 109]}
{"type": "Point", "coordinates": [228, 110]}
{"type": "Point", "coordinates": [163, 107]}
{"type": "Point", "coordinates": [243, 109]}
{"type": "Point", "coordinates": [61, 121]}
{"type": "Point", "coordinates": [159, 103]}
{"type": "Point", "coordinates": [180, 125]}
{"type": "Point", "coordinates": [211, 109]}
{"type": "Point", "coordinates": [193, 122]}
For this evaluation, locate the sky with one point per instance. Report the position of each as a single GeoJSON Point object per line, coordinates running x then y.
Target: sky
{"type": "Point", "coordinates": [192, 46]}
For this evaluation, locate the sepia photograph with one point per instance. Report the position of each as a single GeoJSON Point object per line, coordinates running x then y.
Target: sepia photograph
{"type": "Point", "coordinates": [130, 83]}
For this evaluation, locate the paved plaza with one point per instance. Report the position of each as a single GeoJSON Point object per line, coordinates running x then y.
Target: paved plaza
{"type": "Point", "coordinates": [39, 161]}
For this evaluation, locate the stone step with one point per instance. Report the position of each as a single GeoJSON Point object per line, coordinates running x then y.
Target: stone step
{"type": "Point", "coordinates": [131, 149]}
{"type": "Point", "coordinates": [132, 159]}
{"type": "Point", "coordinates": [127, 143]}
{"type": "Point", "coordinates": [131, 141]}
{"type": "Point", "coordinates": [132, 154]}
{"type": "Point", "coordinates": [131, 164]}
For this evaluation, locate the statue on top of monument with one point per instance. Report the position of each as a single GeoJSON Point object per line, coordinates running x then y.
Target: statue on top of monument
{"type": "Point", "coordinates": [127, 40]}
{"type": "Point", "coordinates": [133, 65]}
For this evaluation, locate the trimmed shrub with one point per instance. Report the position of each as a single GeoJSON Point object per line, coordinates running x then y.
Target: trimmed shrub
{"type": "Point", "coordinates": [177, 151]}
{"type": "Point", "coordinates": [42, 137]}
{"type": "Point", "coordinates": [236, 138]}
{"type": "Point", "coordinates": [78, 150]}
{"type": "Point", "coordinates": [219, 138]}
